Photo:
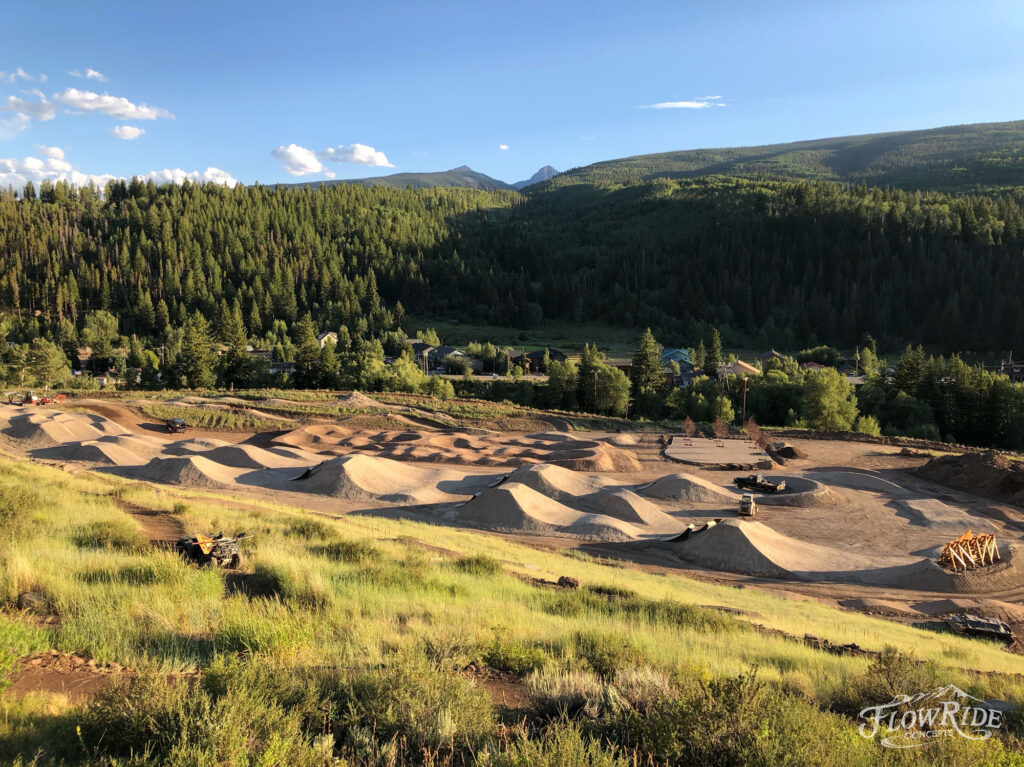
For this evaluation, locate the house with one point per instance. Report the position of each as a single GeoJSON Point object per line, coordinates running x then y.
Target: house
{"type": "Point", "coordinates": [769, 358]}
{"type": "Point", "coordinates": [812, 366]}
{"type": "Point", "coordinates": [323, 338]}
{"type": "Point", "coordinates": [420, 349]}
{"type": "Point", "coordinates": [739, 368]}
{"type": "Point", "coordinates": [439, 353]}
{"type": "Point", "coordinates": [679, 356]}
{"type": "Point", "coordinates": [1013, 370]}
{"type": "Point", "coordinates": [282, 368]}
{"type": "Point", "coordinates": [533, 362]}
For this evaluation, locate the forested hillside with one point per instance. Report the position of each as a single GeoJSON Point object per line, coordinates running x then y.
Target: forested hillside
{"type": "Point", "coordinates": [963, 158]}
{"type": "Point", "coordinates": [772, 263]}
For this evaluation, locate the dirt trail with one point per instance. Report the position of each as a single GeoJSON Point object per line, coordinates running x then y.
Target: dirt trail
{"type": "Point", "coordinates": [156, 525]}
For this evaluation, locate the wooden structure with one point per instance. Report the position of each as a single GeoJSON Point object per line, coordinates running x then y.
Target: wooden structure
{"type": "Point", "coordinates": [970, 551]}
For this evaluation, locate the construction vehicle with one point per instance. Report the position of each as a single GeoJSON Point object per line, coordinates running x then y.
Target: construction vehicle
{"type": "Point", "coordinates": [748, 506]}
{"type": "Point", "coordinates": [176, 425]}
{"type": "Point", "coordinates": [760, 483]}
{"type": "Point", "coordinates": [31, 398]}
{"type": "Point", "coordinates": [977, 626]}
{"type": "Point", "coordinates": [219, 551]}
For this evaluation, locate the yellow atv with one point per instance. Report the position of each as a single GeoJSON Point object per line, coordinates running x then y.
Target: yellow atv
{"type": "Point", "coordinates": [220, 550]}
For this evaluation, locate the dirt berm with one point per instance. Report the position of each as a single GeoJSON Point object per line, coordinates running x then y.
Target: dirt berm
{"type": "Point", "coordinates": [747, 546]}
{"type": "Point", "coordinates": [989, 475]}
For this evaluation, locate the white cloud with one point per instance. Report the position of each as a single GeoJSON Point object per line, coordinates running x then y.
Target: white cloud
{"type": "Point", "coordinates": [115, 106]}
{"type": "Point", "coordinates": [357, 153]}
{"type": "Point", "coordinates": [15, 124]}
{"type": "Point", "coordinates": [42, 110]}
{"type": "Point", "coordinates": [53, 167]}
{"type": "Point", "coordinates": [700, 103]}
{"type": "Point", "coordinates": [20, 74]}
{"type": "Point", "coordinates": [298, 160]}
{"type": "Point", "coordinates": [503, 147]}
{"type": "Point", "coordinates": [127, 132]}
{"type": "Point", "coordinates": [177, 176]}
{"type": "Point", "coordinates": [329, 174]}
{"type": "Point", "coordinates": [88, 74]}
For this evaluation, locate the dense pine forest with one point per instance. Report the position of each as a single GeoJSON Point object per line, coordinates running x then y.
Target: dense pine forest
{"type": "Point", "coordinates": [788, 264]}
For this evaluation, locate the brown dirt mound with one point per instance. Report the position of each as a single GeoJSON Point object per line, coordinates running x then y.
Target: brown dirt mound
{"type": "Point", "coordinates": [192, 471]}
{"type": "Point", "coordinates": [360, 400]}
{"type": "Point", "coordinates": [515, 507]}
{"type": "Point", "coordinates": [989, 475]}
{"type": "Point", "coordinates": [687, 487]}
{"type": "Point", "coordinates": [458, 446]}
{"type": "Point", "coordinates": [746, 546]}
{"type": "Point", "coordinates": [72, 676]}
{"type": "Point", "coordinates": [366, 478]}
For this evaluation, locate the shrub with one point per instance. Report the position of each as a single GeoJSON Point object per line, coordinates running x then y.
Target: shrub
{"type": "Point", "coordinates": [478, 564]}
{"type": "Point", "coordinates": [604, 652]}
{"type": "Point", "coordinates": [562, 744]}
{"type": "Point", "coordinates": [153, 721]}
{"type": "Point", "coordinates": [514, 656]}
{"type": "Point", "coordinates": [119, 535]}
{"type": "Point", "coordinates": [413, 704]}
{"type": "Point", "coordinates": [353, 552]}
{"type": "Point", "coordinates": [868, 424]}
{"type": "Point", "coordinates": [310, 529]}
{"type": "Point", "coordinates": [17, 510]}
{"type": "Point", "coordinates": [564, 693]}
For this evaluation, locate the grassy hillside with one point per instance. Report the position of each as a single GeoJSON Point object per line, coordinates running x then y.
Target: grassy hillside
{"type": "Point", "coordinates": [954, 158]}
{"type": "Point", "coordinates": [391, 642]}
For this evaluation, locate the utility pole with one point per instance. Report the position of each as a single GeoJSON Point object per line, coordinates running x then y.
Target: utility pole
{"type": "Point", "coordinates": [744, 420]}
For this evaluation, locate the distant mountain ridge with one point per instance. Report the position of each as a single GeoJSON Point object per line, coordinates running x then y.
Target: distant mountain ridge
{"type": "Point", "coordinates": [956, 158]}
{"type": "Point", "coordinates": [463, 176]}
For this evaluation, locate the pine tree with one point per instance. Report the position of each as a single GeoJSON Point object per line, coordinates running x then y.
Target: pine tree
{"type": "Point", "coordinates": [713, 362]}
{"type": "Point", "coordinates": [648, 382]}
{"type": "Point", "coordinates": [307, 355]}
{"type": "Point", "coordinates": [195, 361]}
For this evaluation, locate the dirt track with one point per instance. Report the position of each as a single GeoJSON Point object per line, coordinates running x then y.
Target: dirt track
{"type": "Point", "coordinates": [857, 515]}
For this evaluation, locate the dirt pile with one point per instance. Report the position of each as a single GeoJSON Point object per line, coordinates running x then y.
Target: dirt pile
{"type": "Point", "coordinates": [989, 475]}
{"type": "Point", "coordinates": [42, 429]}
{"type": "Point", "coordinates": [687, 487]}
{"type": "Point", "coordinates": [936, 515]}
{"type": "Point", "coordinates": [514, 507]}
{"type": "Point", "coordinates": [369, 479]}
{"type": "Point", "coordinates": [558, 482]}
{"type": "Point", "coordinates": [191, 471]}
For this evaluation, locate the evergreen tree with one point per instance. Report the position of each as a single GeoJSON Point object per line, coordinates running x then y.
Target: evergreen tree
{"type": "Point", "coordinates": [648, 382]}
{"type": "Point", "coordinates": [909, 370]}
{"type": "Point", "coordinates": [195, 361]}
{"type": "Point", "coordinates": [713, 360]}
{"type": "Point", "coordinates": [307, 355]}
{"type": "Point", "coordinates": [591, 363]}
{"type": "Point", "coordinates": [329, 367]}
{"type": "Point", "coordinates": [47, 364]}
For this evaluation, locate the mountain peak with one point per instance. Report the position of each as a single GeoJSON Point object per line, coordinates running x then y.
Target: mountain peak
{"type": "Point", "coordinates": [545, 173]}
{"type": "Point", "coordinates": [462, 169]}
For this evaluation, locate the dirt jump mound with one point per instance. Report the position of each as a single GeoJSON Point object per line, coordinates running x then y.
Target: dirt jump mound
{"type": "Point", "coordinates": [989, 475]}
{"type": "Point", "coordinates": [50, 429]}
{"type": "Point", "coordinates": [752, 547]}
{"type": "Point", "coordinates": [514, 507]}
{"type": "Point", "coordinates": [464, 446]}
{"type": "Point", "coordinates": [121, 450]}
{"type": "Point", "coordinates": [369, 479]}
{"type": "Point", "coordinates": [800, 491]}
{"type": "Point", "coordinates": [687, 487]}
{"type": "Point", "coordinates": [558, 482]}
{"type": "Point", "coordinates": [192, 471]}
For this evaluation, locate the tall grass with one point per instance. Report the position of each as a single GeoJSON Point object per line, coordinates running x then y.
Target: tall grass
{"type": "Point", "coordinates": [398, 608]}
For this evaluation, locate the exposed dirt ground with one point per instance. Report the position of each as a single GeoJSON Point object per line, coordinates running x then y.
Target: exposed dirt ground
{"type": "Point", "coordinates": [861, 527]}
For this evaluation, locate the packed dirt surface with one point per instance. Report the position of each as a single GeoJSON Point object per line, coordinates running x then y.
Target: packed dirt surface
{"type": "Point", "coordinates": [854, 525]}
{"type": "Point", "coordinates": [70, 676]}
{"type": "Point", "coordinates": [474, 447]}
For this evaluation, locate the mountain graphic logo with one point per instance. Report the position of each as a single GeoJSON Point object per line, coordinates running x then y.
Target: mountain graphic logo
{"type": "Point", "coordinates": [911, 721]}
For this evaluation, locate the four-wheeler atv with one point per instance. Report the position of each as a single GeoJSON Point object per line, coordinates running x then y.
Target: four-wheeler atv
{"type": "Point", "coordinates": [220, 551]}
{"type": "Point", "coordinates": [760, 483]}
{"type": "Point", "coordinates": [176, 425]}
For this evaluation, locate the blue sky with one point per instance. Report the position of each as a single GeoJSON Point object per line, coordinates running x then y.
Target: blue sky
{"type": "Point", "coordinates": [273, 92]}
